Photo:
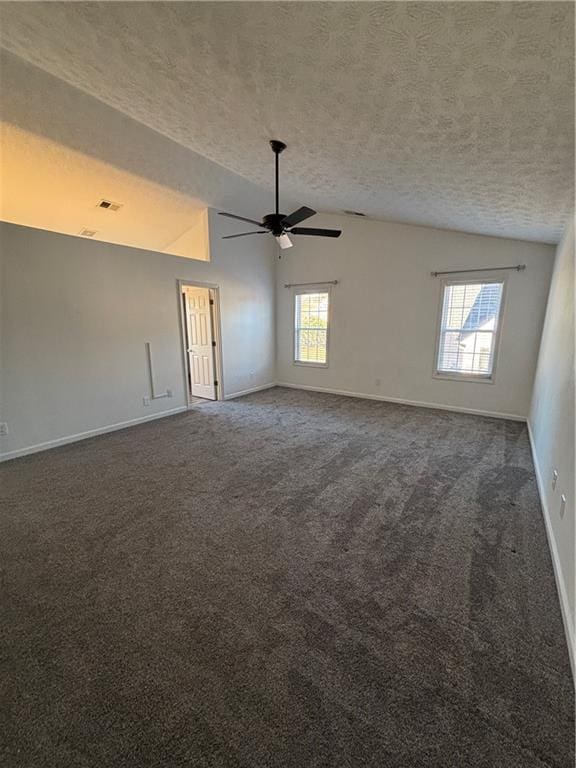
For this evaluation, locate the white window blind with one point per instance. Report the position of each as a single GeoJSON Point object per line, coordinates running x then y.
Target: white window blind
{"type": "Point", "coordinates": [311, 327]}
{"type": "Point", "coordinates": [469, 329]}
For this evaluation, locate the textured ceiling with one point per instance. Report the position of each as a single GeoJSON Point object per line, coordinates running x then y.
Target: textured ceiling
{"type": "Point", "coordinates": [457, 115]}
{"type": "Point", "coordinates": [61, 150]}
{"type": "Point", "coordinates": [47, 185]}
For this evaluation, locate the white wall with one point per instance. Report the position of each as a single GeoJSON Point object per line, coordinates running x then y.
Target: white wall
{"type": "Point", "coordinates": [75, 315]}
{"type": "Point", "coordinates": [552, 423]}
{"type": "Point", "coordinates": [385, 311]}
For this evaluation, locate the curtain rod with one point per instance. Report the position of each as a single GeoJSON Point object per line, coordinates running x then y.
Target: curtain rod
{"type": "Point", "coordinates": [318, 282]}
{"type": "Point", "coordinates": [517, 267]}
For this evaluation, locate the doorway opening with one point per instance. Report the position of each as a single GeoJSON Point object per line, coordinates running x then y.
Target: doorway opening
{"type": "Point", "coordinates": [201, 341]}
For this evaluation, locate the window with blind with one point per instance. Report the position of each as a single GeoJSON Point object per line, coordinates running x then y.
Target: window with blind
{"type": "Point", "coordinates": [469, 329]}
{"type": "Point", "coordinates": [311, 309]}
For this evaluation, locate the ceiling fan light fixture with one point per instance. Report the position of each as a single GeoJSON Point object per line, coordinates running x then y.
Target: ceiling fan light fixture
{"type": "Point", "coordinates": [277, 224]}
{"type": "Point", "coordinates": [284, 241]}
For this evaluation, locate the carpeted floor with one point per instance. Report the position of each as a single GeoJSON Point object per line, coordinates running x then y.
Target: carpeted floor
{"type": "Point", "coordinates": [287, 580]}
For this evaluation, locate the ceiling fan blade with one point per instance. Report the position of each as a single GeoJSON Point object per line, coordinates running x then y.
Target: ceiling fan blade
{"type": "Point", "coordinates": [318, 232]}
{"type": "Point", "coordinates": [298, 216]}
{"type": "Point", "coordinates": [239, 218]}
{"type": "Point", "coordinates": [243, 234]}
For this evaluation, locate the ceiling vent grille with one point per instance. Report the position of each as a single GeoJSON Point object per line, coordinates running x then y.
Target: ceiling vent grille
{"type": "Point", "coordinates": [108, 205]}
{"type": "Point", "coordinates": [87, 232]}
{"type": "Point", "coordinates": [354, 213]}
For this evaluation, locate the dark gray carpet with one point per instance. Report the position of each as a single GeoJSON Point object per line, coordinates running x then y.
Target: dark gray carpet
{"type": "Point", "coordinates": [288, 580]}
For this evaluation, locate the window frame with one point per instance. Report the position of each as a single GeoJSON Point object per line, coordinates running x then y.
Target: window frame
{"type": "Point", "coordinates": [469, 377]}
{"type": "Point", "coordinates": [300, 291]}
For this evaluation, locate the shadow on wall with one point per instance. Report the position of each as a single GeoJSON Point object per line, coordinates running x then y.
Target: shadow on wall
{"type": "Point", "coordinates": [45, 107]}
{"type": "Point", "coordinates": [48, 186]}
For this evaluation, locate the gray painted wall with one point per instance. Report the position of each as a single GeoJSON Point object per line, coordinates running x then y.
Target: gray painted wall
{"type": "Point", "coordinates": [552, 424]}
{"type": "Point", "coordinates": [75, 315]}
{"type": "Point", "coordinates": [386, 305]}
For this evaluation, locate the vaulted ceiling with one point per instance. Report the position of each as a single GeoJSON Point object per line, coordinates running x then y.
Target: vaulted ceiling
{"type": "Point", "coordinates": [456, 115]}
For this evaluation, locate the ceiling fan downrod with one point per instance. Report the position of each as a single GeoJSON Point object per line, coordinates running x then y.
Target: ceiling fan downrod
{"type": "Point", "coordinates": [277, 148]}
{"type": "Point", "coordinates": [277, 224]}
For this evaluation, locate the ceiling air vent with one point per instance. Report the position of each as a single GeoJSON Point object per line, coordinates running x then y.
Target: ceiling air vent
{"type": "Point", "coordinates": [87, 232]}
{"type": "Point", "coordinates": [108, 205]}
{"type": "Point", "coordinates": [354, 213]}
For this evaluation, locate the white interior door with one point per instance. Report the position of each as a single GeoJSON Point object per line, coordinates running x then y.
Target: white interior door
{"type": "Point", "coordinates": [200, 342]}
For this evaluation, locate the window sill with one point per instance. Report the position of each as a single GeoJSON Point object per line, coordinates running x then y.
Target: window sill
{"type": "Point", "coordinates": [463, 377]}
{"type": "Point", "coordinates": [305, 364]}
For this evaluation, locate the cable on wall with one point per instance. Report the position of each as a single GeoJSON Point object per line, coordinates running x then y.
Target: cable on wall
{"type": "Point", "coordinates": [516, 267]}
{"type": "Point", "coordinates": [154, 396]}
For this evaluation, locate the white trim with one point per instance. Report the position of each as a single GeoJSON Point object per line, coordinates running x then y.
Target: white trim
{"type": "Point", "coordinates": [249, 391]}
{"type": "Point", "coordinates": [214, 289]}
{"type": "Point", "coordinates": [466, 378]}
{"type": "Point", "coordinates": [89, 433]}
{"type": "Point", "coordinates": [558, 575]}
{"type": "Point", "coordinates": [497, 333]}
{"type": "Point", "coordinates": [402, 401]}
{"type": "Point", "coordinates": [302, 291]}
{"type": "Point", "coordinates": [311, 364]}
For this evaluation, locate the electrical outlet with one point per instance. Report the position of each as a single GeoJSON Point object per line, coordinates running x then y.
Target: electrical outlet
{"type": "Point", "coordinates": [169, 392]}
{"type": "Point", "coordinates": [146, 401]}
{"type": "Point", "coordinates": [3, 428]}
{"type": "Point", "coordinates": [554, 479]}
{"type": "Point", "coordinates": [562, 504]}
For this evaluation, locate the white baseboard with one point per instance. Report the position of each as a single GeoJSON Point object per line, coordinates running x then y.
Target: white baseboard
{"type": "Point", "coordinates": [85, 435]}
{"type": "Point", "coordinates": [249, 391]}
{"type": "Point", "coordinates": [558, 575]}
{"type": "Point", "coordinates": [401, 401]}
{"type": "Point", "coordinates": [111, 428]}
{"type": "Point", "coordinates": [132, 422]}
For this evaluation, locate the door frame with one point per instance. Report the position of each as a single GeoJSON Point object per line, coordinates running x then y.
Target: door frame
{"type": "Point", "coordinates": [216, 335]}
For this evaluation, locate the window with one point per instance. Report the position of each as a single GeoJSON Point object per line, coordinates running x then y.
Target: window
{"type": "Point", "coordinates": [311, 327]}
{"type": "Point", "coordinates": [469, 328]}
